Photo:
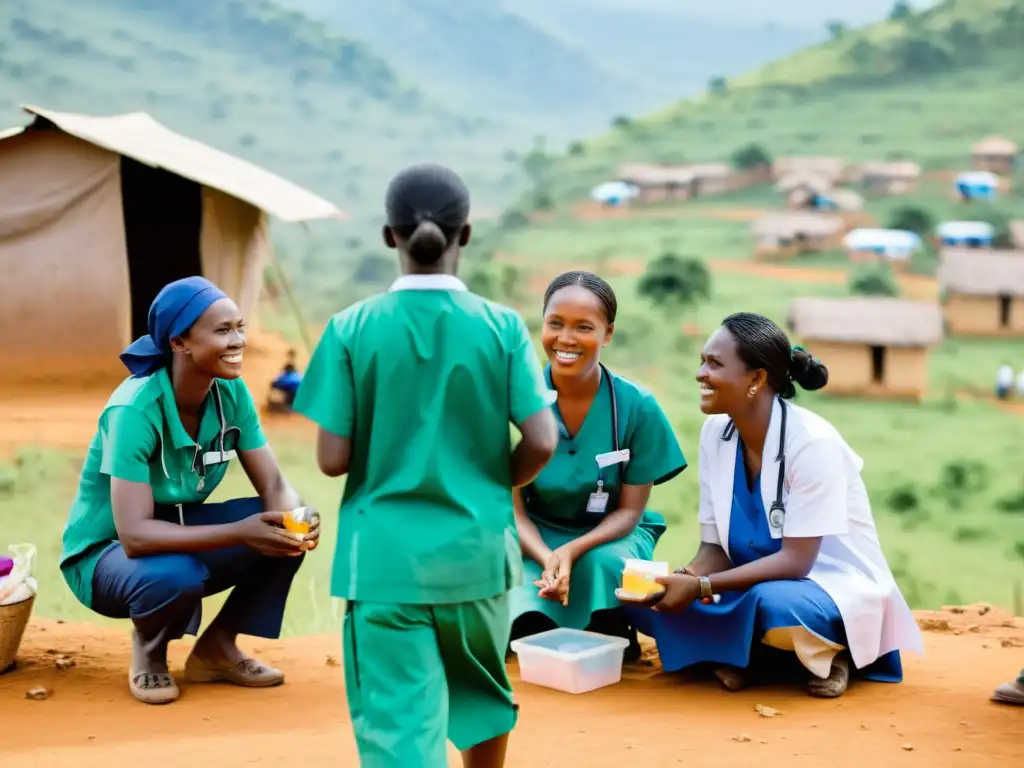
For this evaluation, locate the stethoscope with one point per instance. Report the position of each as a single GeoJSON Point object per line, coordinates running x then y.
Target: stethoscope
{"type": "Point", "coordinates": [777, 513]}
{"type": "Point", "coordinates": [199, 459]}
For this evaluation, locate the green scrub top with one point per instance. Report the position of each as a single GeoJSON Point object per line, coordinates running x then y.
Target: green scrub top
{"type": "Point", "coordinates": [425, 379]}
{"type": "Point", "coordinates": [141, 439]}
{"type": "Point", "coordinates": [558, 496]}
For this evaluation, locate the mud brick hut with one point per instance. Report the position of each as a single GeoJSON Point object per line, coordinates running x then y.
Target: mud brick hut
{"type": "Point", "coordinates": [873, 347]}
{"type": "Point", "coordinates": [786, 234]}
{"type": "Point", "coordinates": [995, 154]}
{"type": "Point", "coordinates": [983, 292]}
{"type": "Point", "coordinates": [896, 178]}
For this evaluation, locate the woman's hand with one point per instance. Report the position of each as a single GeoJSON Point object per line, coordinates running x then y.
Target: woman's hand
{"type": "Point", "coordinates": [266, 534]}
{"type": "Point", "coordinates": [681, 589]}
{"type": "Point", "coordinates": [554, 581]}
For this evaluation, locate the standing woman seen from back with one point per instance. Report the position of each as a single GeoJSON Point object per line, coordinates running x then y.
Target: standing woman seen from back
{"type": "Point", "coordinates": [587, 510]}
{"type": "Point", "coordinates": [413, 391]}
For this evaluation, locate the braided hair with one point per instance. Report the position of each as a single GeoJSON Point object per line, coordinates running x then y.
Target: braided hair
{"type": "Point", "coordinates": [592, 283]}
{"type": "Point", "coordinates": [760, 343]}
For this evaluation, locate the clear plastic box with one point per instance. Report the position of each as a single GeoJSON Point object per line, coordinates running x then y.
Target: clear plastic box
{"type": "Point", "coordinates": [570, 660]}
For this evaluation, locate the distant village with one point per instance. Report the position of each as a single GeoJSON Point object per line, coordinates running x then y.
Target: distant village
{"type": "Point", "coordinates": [876, 346]}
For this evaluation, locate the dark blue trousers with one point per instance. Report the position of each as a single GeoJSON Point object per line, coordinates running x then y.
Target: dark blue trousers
{"type": "Point", "coordinates": [162, 594]}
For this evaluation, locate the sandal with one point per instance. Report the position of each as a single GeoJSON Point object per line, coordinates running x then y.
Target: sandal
{"type": "Point", "coordinates": [833, 686]}
{"type": "Point", "coordinates": [248, 673]}
{"type": "Point", "coordinates": [732, 678]}
{"type": "Point", "coordinates": [1009, 693]}
{"type": "Point", "coordinates": [153, 687]}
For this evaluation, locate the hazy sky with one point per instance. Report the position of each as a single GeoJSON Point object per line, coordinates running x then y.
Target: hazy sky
{"type": "Point", "coordinates": [812, 13]}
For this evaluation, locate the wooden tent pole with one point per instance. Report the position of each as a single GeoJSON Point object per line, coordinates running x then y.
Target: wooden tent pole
{"type": "Point", "coordinates": [282, 279]}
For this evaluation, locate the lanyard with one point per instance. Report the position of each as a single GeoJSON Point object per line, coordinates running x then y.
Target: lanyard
{"type": "Point", "coordinates": [615, 406]}
{"type": "Point", "coordinates": [777, 512]}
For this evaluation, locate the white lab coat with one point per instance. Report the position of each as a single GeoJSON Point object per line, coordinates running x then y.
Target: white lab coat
{"type": "Point", "coordinates": [824, 496]}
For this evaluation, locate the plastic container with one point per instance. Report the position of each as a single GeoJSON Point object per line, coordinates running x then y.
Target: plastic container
{"type": "Point", "coordinates": [570, 660]}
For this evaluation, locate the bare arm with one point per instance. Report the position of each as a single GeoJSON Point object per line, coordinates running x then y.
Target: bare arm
{"type": "Point", "coordinates": [618, 524]}
{"type": "Point", "coordinates": [793, 561]}
{"type": "Point", "coordinates": [535, 449]}
{"type": "Point", "coordinates": [710, 558]}
{"type": "Point", "coordinates": [141, 534]}
{"type": "Point", "coordinates": [530, 540]}
{"type": "Point", "coordinates": [333, 453]}
{"type": "Point", "coordinates": [267, 479]}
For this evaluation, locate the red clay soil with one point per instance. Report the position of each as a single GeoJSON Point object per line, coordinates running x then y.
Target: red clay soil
{"type": "Point", "coordinates": [65, 416]}
{"type": "Point", "coordinates": [941, 715]}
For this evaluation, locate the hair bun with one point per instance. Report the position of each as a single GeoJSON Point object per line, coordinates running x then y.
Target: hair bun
{"type": "Point", "coordinates": [807, 371]}
{"type": "Point", "coordinates": [427, 243]}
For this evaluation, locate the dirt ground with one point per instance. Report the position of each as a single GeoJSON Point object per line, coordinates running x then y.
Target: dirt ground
{"type": "Point", "coordinates": [940, 716]}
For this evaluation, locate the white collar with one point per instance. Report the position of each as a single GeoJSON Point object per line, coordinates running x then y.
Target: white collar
{"type": "Point", "coordinates": [428, 283]}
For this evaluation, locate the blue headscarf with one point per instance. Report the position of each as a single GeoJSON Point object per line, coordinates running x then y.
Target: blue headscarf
{"type": "Point", "coordinates": [174, 310]}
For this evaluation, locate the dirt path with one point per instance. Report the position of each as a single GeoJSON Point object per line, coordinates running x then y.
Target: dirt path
{"type": "Point", "coordinates": [593, 211]}
{"type": "Point", "coordinates": [942, 711]}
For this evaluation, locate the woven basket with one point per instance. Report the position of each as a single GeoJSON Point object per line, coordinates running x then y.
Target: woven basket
{"type": "Point", "coordinates": [13, 620]}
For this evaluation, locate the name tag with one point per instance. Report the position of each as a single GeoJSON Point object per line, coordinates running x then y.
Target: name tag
{"type": "Point", "coordinates": [216, 457]}
{"type": "Point", "coordinates": [597, 504]}
{"type": "Point", "coordinates": [612, 457]}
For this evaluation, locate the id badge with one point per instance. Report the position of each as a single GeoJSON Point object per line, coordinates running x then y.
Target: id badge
{"type": "Point", "coordinates": [597, 504]}
{"type": "Point", "coordinates": [216, 457]}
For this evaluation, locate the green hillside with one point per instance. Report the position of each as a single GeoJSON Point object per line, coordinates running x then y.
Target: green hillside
{"type": "Point", "coordinates": [249, 78]}
{"type": "Point", "coordinates": [481, 57]}
{"type": "Point", "coordinates": [924, 89]}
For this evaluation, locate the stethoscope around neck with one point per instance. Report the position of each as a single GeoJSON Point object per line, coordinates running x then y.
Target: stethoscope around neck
{"type": "Point", "coordinates": [777, 512]}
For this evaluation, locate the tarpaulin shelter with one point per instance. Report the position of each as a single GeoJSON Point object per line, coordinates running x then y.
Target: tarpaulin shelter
{"type": "Point", "coordinates": [98, 213]}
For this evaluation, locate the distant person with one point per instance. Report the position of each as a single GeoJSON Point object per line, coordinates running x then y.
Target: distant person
{"type": "Point", "coordinates": [1004, 381]}
{"type": "Point", "coordinates": [1011, 693]}
{"type": "Point", "coordinates": [413, 392]}
{"type": "Point", "coordinates": [287, 382]}
{"type": "Point", "coordinates": [141, 543]}
{"type": "Point", "coordinates": [587, 510]}
{"type": "Point", "coordinates": [790, 568]}
{"type": "Point", "coordinates": [1020, 384]}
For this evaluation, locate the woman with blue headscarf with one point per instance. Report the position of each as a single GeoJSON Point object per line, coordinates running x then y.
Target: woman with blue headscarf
{"type": "Point", "coordinates": [140, 543]}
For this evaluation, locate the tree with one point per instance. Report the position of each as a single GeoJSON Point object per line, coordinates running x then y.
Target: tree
{"type": "Point", "coordinates": [481, 282]}
{"type": "Point", "coordinates": [836, 29]}
{"type": "Point", "coordinates": [751, 157]}
{"type": "Point", "coordinates": [901, 11]}
{"type": "Point", "coordinates": [874, 280]}
{"type": "Point", "coordinates": [674, 283]}
{"type": "Point", "coordinates": [912, 219]}
{"type": "Point", "coordinates": [718, 85]}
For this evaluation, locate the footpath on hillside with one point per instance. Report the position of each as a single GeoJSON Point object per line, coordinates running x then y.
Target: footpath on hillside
{"type": "Point", "coordinates": [941, 715]}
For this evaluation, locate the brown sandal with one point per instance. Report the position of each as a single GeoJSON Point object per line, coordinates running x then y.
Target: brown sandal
{"type": "Point", "coordinates": [833, 686]}
{"type": "Point", "coordinates": [153, 687]}
{"type": "Point", "coordinates": [248, 673]}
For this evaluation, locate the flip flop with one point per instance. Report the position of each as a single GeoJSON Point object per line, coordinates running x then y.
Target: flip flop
{"type": "Point", "coordinates": [248, 673]}
{"type": "Point", "coordinates": [833, 686]}
{"type": "Point", "coordinates": [1009, 693]}
{"type": "Point", "coordinates": [153, 687]}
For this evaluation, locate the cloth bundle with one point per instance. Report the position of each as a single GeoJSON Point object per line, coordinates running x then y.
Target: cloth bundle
{"type": "Point", "coordinates": [16, 581]}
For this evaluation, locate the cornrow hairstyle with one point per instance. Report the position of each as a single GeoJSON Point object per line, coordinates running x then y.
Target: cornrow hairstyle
{"type": "Point", "coordinates": [592, 283]}
{"type": "Point", "coordinates": [760, 343]}
{"type": "Point", "coordinates": [427, 205]}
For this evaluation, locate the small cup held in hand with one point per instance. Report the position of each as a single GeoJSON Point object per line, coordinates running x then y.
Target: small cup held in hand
{"type": "Point", "coordinates": [300, 520]}
{"type": "Point", "coordinates": [638, 580]}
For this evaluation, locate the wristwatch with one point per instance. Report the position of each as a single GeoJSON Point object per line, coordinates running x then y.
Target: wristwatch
{"type": "Point", "coordinates": [706, 593]}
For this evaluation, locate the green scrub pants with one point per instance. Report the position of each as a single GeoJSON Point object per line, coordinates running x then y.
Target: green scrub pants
{"type": "Point", "coordinates": [418, 675]}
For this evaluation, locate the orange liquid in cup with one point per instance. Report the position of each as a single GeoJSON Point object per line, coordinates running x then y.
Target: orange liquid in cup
{"type": "Point", "coordinates": [293, 525]}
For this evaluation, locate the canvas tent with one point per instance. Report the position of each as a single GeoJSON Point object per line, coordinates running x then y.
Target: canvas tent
{"type": "Point", "coordinates": [98, 213]}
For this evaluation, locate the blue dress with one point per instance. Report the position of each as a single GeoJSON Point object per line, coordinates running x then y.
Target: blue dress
{"type": "Point", "coordinates": [723, 633]}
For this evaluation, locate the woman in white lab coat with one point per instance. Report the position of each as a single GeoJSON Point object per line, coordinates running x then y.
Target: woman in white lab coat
{"type": "Point", "coordinates": [790, 560]}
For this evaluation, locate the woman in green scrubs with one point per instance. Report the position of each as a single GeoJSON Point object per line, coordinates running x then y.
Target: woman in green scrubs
{"type": "Point", "coordinates": [413, 392]}
{"type": "Point", "coordinates": [142, 542]}
{"type": "Point", "coordinates": [587, 510]}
